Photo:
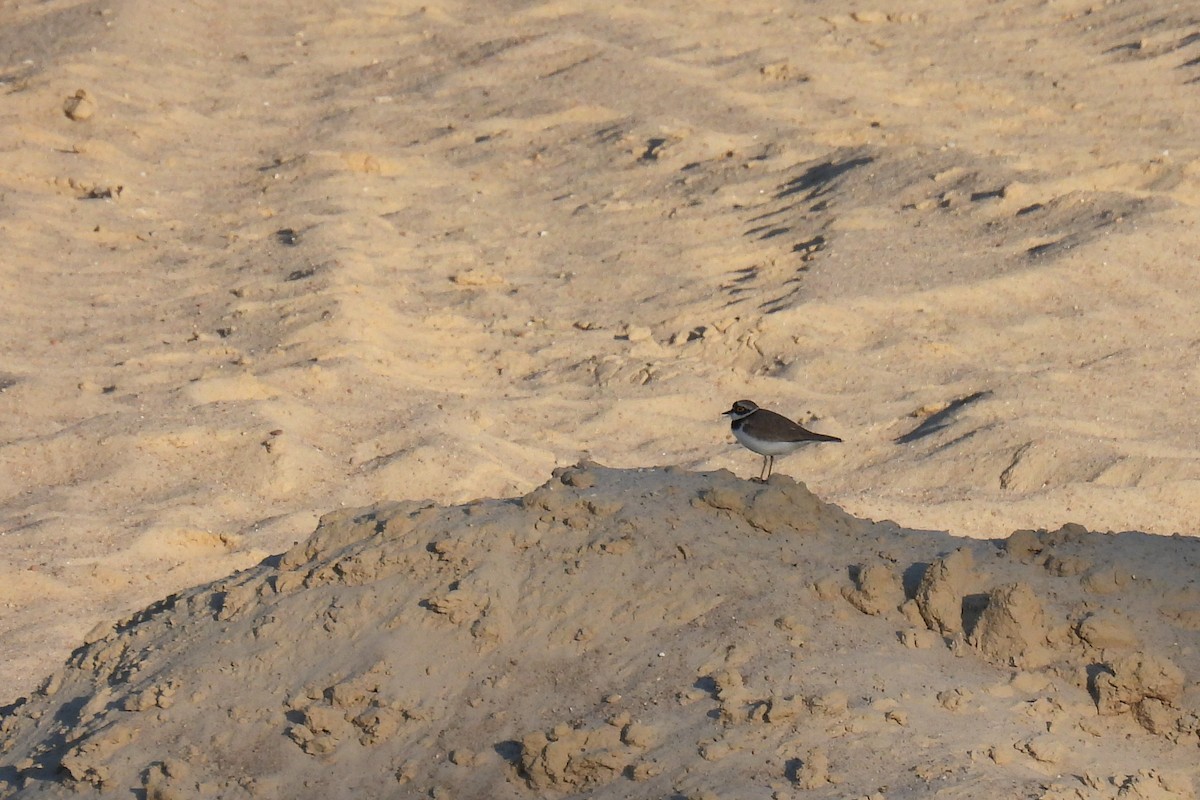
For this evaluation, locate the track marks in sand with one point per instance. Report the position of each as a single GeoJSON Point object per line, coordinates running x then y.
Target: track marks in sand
{"type": "Point", "coordinates": [509, 250]}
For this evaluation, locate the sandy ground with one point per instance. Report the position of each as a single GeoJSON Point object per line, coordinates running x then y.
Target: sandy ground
{"type": "Point", "coordinates": [654, 633]}
{"type": "Point", "coordinates": [265, 262]}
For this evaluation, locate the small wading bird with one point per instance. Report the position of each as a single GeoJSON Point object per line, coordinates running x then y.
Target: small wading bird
{"type": "Point", "coordinates": [769, 434]}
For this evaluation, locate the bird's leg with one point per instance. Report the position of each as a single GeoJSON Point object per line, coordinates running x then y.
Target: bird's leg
{"type": "Point", "coordinates": [768, 465]}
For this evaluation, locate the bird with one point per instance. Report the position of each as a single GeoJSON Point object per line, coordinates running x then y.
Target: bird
{"type": "Point", "coordinates": [769, 434]}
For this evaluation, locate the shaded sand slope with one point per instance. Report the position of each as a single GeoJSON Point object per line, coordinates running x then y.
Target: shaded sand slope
{"type": "Point", "coordinates": [641, 633]}
{"type": "Point", "coordinates": [291, 256]}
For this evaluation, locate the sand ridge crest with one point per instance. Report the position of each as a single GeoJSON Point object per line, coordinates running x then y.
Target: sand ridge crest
{"type": "Point", "coordinates": [630, 632]}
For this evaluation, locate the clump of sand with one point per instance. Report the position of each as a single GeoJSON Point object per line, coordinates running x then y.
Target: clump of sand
{"type": "Point", "coordinates": [640, 633]}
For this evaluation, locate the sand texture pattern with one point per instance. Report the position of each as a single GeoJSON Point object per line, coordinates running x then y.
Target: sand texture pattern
{"type": "Point", "coordinates": [641, 633]}
{"type": "Point", "coordinates": [267, 261]}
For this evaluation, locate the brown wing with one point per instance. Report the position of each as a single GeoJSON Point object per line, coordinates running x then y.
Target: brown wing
{"type": "Point", "coordinates": [777, 426]}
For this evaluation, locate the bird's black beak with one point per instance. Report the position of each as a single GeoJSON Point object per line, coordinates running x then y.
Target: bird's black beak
{"type": "Point", "coordinates": [729, 413]}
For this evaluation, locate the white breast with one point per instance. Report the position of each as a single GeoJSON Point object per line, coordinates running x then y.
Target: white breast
{"type": "Point", "coordinates": [766, 448]}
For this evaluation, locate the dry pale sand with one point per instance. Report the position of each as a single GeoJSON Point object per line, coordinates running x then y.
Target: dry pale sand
{"type": "Point", "coordinates": [264, 261]}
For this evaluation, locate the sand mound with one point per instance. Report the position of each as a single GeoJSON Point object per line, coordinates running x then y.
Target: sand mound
{"type": "Point", "coordinates": [640, 633]}
{"type": "Point", "coordinates": [268, 259]}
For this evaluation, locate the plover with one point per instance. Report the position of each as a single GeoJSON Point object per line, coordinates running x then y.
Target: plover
{"type": "Point", "coordinates": [769, 434]}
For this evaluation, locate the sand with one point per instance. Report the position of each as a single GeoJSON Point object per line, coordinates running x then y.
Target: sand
{"type": "Point", "coordinates": [265, 263]}
{"type": "Point", "coordinates": [642, 633]}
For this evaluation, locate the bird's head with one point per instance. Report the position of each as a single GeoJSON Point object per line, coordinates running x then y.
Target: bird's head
{"type": "Point", "coordinates": [741, 409]}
